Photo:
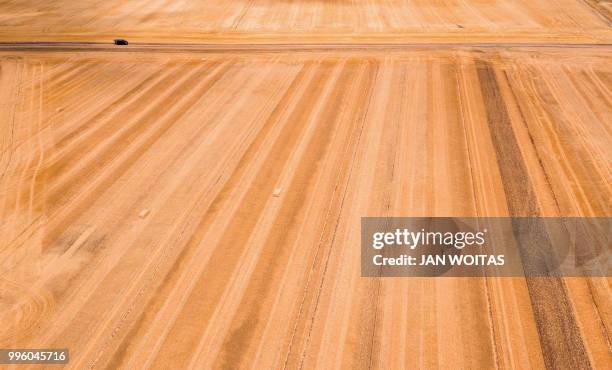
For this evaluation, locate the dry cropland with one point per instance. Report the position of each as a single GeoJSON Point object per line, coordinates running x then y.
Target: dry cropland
{"type": "Point", "coordinates": [193, 199]}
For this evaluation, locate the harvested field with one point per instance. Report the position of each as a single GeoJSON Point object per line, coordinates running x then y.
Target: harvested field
{"type": "Point", "coordinates": [193, 199]}
{"type": "Point", "coordinates": [309, 21]}
{"type": "Point", "coordinates": [220, 272]}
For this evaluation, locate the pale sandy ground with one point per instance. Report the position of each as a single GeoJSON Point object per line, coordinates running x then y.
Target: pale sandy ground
{"type": "Point", "coordinates": [141, 223]}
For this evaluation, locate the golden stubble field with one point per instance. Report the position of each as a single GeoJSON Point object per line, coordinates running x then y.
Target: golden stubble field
{"type": "Point", "coordinates": [309, 21]}
{"type": "Point", "coordinates": [168, 206]}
